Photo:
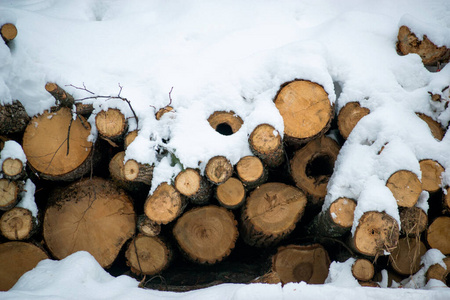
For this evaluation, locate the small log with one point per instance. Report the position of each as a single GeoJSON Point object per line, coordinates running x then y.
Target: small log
{"type": "Point", "coordinates": [294, 263]}
{"type": "Point", "coordinates": [165, 204]}
{"type": "Point", "coordinates": [18, 224]}
{"type": "Point", "coordinates": [117, 172]}
{"type": "Point", "coordinates": [13, 118]}
{"type": "Point", "coordinates": [406, 187]}
{"type": "Point", "coordinates": [147, 255]}
{"type": "Point", "coordinates": [147, 227]}
{"type": "Point", "coordinates": [161, 112]}
{"type": "Point", "coordinates": [129, 138]}
{"type": "Point", "coordinates": [63, 99]}
{"type": "Point", "coordinates": [266, 143]}
{"type": "Point", "coordinates": [225, 122]}
{"type": "Point", "coordinates": [57, 146]}
{"type": "Point", "coordinates": [8, 32]}
{"type": "Point", "coordinates": [231, 193]}
{"type": "Point", "coordinates": [376, 234]}
{"type": "Point", "coordinates": [206, 234]}
{"type": "Point", "coordinates": [306, 110]}
{"type": "Point", "coordinates": [413, 220]}
{"type": "Point", "coordinates": [271, 212]}
{"type": "Point", "coordinates": [312, 167]}
{"type": "Point", "coordinates": [137, 172]}
{"type": "Point", "coordinates": [408, 42]}
{"type": "Point", "coordinates": [405, 259]}
{"type": "Point", "coordinates": [431, 175]}
{"type": "Point", "coordinates": [349, 116]}
{"type": "Point", "coordinates": [438, 272]}
{"type": "Point", "coordinates": [17, 258]}
{"type": "Point", "coordinates": [438, 234]}
{"type": "Point", "coordinates": [363, 270]}
{"type": "Point", "coordinates": [91, 215]}
{"type": "Point", "coordinates": [191, 184]}
{"type": "Point", "coordinates": [9, 193]}
{"type": "Point", "coordinates": [111, 125]}
{"type": "Point", "coordinates": [218, 169]}
{"type": "Point", "coordinates": [13, 169]}
{"type": "Point", "coordinates": [436, 129]}
{"type": "Point", "coordinates": [251, 171]}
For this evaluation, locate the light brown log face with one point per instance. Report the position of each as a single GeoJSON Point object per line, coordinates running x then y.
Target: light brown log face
{"type": "Point", "coordinates": [9, 192]}
{"type": "Point", "coordinates": [224, 122]}
{"type": "Point", "coordinates": [8, 32]}
{"type": "Point", "coordinates": [129, 138]}
{"type": "Point", "coordinates": [46, 146]}
{"type": "Point", "coordinates": [12, 167]}
{"type": "Point", "coordinates": [438, 234]}
{"type": "Point", "coordinates": [431, 175]}
{"type": "Point", "coordinates": [363, 269]}
{"type": "Point", "coordinates": [406, 187]}
{"type": "Point", "coordinates": [266, 143]}
{"type": "Point", "coordinates": [17, 258]}
{"type": "Point", "coordinates": [218, 169]}
{"type": "Point", "coordinates": [342, 212]}
{"type": "Point", "coordinates": [251, 171]}
{"type": "Point", "coordinates": [349, 116]}
{"type": "Point", "coordinates": [188, 182]}
{"type": "Point", "coordinates": [147, 255]}
{"type": "Point", "coordinates": [231, 193]}
{"type": "Point", "coordinates": [413, 220]}
{"type": "Point", "coordinates": [164, 205]}
{"type": "Point", "coordinates": [438, 272]}
{"type": "Point", "coordinates": [305, 108]}
{"type": "Point", "coordinates": [148, 227]}
{"type": "Point", "coordinates": [436, 129]}
{"type": "Point", "coordinates": [163, 111]}
{"type": "Point", "coordinates": [17, 224]}
{"type": "Point", "coordinates": [110, 123]}
{"type": "Point", "coordinates": [405, 259]}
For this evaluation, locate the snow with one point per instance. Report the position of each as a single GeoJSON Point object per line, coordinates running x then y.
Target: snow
{"type": "Point", "coordinates": [13, 150]}
{"type": "Point", "coordinates": [204, 56]}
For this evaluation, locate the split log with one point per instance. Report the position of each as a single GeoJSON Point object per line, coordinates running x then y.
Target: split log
{"type": "Point", "coordinates": [414, 220]}
{"type": "Point", "coordinates": [13, 118]}
{"type": "Point", "coordinates": [111, 125]}
{"type": "Point", "coordinates": [218, 169]}
{"type": "Point", "coordinates": [137, 172]}
{"type": "Point", "coordinates": [408, 42]}
{"type": "Point", "coordinates": [431, 175]}
{"type": "Point", "coordinates": [266, 143]}
{"type": "Point", "coordinates": [13, 169]}
{"type": "Point", "coordinates": [8, 32]}
{"type": "Point", "coordinates": [271, 212]}
{"type": "Point", "coordinates": [231, 193]}
{"type": "Point", "coordinates": [225, 122]}
{"type": "Point", "coordinates": [18, 224]}
{"type": "Point", "coordinates": [406, 258]}
{"type": "Point", "coordinates": [405, 187]}
{"type": "Point", "coordinates": [306, 110]}
{"type": "Point", "coordinates": [191, 184]}
{"type": "Point", "coordinates": [312, 167]}
{"type": "Point", "coordinates": [349, 116]}
{"type": "Point", "coordinates": [129, 138]}
{"type": "Point", "coordinates": [17, 258]}
{"type": "Point", "coordinates": [147, 255]}
{"type": "Point", "coordinates": [376, 234]}
{"type": "Point", "coordinates": [91, 215]}
{"type": "Point", "coordinates": [438, 234]}
{"type": "Point", "coordinates": [294, 263]}
{"type": "Point", "coordinates": [63, 99]}
{"type": "Point", "coordinates": [251, 171]}
{"type": "Point", "coordinates": [206, 234]}
{"type": "Point", "coordinates": [436, 129]}
{"type": "Point", "coordinates": [147, 227]}
{"type": "Point", "coordinates": [9, 193]}
{"type": "Point", "coordinates": [363, 270]}
{"type": "Point", "coordinates": [57, 146]}
{"type": "Point", "coordinates": [165, 204]}
{"type": "Point", "coordinates": [438, 272]}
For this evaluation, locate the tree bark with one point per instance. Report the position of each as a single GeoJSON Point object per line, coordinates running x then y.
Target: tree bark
{"type": "Point", "coordinates": [413, 220]}
{"type": "Point", "coordinates": [13, 118]}
{"type": "Point", "coordinates": [63, 99]}
{"type": "Point", "coordinates": [438, 234]}
{"type": "Point", "coordinates": [9, 193]}
{"type": "Point", "coordinates": [117, 172]}
{"type": "Point", "coordinates": [147, 227]}
{"type": "Point", "coordinates": [218, 170]}
{"type": "Point", "coordinates": [165, 204]}
{"type": "Point", "coordinates": [349, 116]}
{"type": "Point", "coordinates": [405, 187]}
{"type": "Point", "coordinates": [251, 171]}
{"type": "Point", "coordinates": [266, 143]}
{"type": "Point", "coordinates": [18, 224]}
{"type": "Point", "coordinates": [406, 258]}
{"type": "Point", "coordinates": [224, 122]}
{"type": "Point", "coordinates": [231, 193]}
{"type": "Point", "coordinates": [111, 125]}
{"type": "Point", "coordinates": [191, 184]}
{"type": "Point", "coordinates": [137, 172]}
{"type": "Point", "coordinates": [363, 270]}
{"type": "Point", "coordinates": [431, 175]}
{"type": "Point", "coordinates": [8, 32]}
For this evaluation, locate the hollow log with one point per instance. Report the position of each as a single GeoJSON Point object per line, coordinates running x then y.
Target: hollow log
{"type": "Point", "coordinates": [270, 213]}
{"type": "Point", "coordinates": [13, 118]}
{"type": "Point", "coordinates": [312, 167]}
{"type": "Point", "coordinates": [438, 234]}
{"type": "Point", "coordinates": [147, 255]}
{"type": "Point", "coordinates": [438, 272]}
{"type": "Point", "coordinates": [191, 184]}
{"type": "Point", "coordinates": [13, 169]}
{"type": "Point", "coordinates": [218, 169]}
{"type": "Point", "coordinates": [18, 224]}
{"type": "Point", "coordinates": [9, 193]}
{"type": "Point", "coordinates": [137, 172]}
{"type": "Point", "coordinates": [231, 193]}
{"type": "Point", "coordinates": [165, 204]}
{"type": "Point", "coordinates": [408, 42]}
{"type": "Point", "coordinates": [91, 215]}
{"type": "Point", "coordinates": [206, 234]}
{"type": "Point", "coordinates": [406, 258]}
{"type": "Point", "coordinates": [363, 270]}
{"type": "Point", "coordinates": [111, 125]}
{"type": "Point", "coordinates": [306, 110]}
{"type": "Point", "coordinates": [225, 122]}
{"type": "Point", "coordinates": [147, 227]}
{"type": "Point", "coordinates": [57, 146]}
{"type": "Point", "coordinates": [413, 220]}
{"type": "Point", "coordinates": [349, 116]}
{"type": "Point", "coordinates": [294, 263]}
{"type": "Point", "coordinates": [266, 143]}
{"type": "Point", "coordinates": [8, 32]}
{"type": "Point", "coordinates": [63, 99]}
{"type": "Point", "coordinates": [405, 187]}
{"type": "Point", "coordinates": [376, 234]}
{"type": "Point", "coordinates": [431, 175]}
{"type": "Point", "coordinates": [17, 258]}
{"type": "Point", "coordinates": [251, 171]}
{"type": "Point", "coordinates": [436, 129]}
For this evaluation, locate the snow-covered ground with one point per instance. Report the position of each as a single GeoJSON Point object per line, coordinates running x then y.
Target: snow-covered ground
{"type": "Point", "coordinates": [233, 55]}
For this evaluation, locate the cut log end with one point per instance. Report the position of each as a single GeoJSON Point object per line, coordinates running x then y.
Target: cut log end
{"type": "Point", "coordinates": [406, 258]}
{"type": "Point", "coordinates": [165, 204]}
{"type": "Point", "coordinates": [17, 224]}
{"type": "Point", "coordinates": [148, 227]}
{"type": "Point", "coordinates": [12, 168]}
{"type": "Point", "coordinates": [349, 116]}
{"type": "Point", "coordinates": [134, 171]}
{"type": "Point", "coordinates": [413, 220]}
{"type": "Point", "coordinates": [147, 255]}
{"type": "Point", "coordinates": [438, 272]}
{"type": "Point", "coordinates": [251, 171]}
{"type": "Point", "coordinates": [342, 212]}
{"type": "Point", "coordinates": [266, 143]}
{"type": "Point", "coordinates": [438, 234]}
{"type": "Point", "coordinates": [111, 124]}
{"type": "Point", "coordinates": [8, 32]}
{"type": "Point", "coordinates": [436, 129]}
{"type": "Point", "coordinates": [231, 193]}
{"type": "Point", "coordinates": [225, 123]}
{"type": "Point", "coordinates": [363, 269]}
{"type": "Point", "coordinates": [9, 193]}
{"type": "Point", "coordinates": [218, 169]}
{"type": "Point", "coordinates": [431, 174]}
{"type": "Point", "coordinates": [406, 187]}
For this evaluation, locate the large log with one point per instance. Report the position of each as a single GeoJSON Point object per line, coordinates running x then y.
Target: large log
{"type": "Point", "coordinates": [18, 224]}
{"type": "Point", "coordinates": [91, 215]}
{"type": "Point", "coordinates": [406, 258]}
{"type": "Point", "coordinates": [225, 122]}
{"type": "Point", "coordinates": [165, 204]}
{"type": "Point", "coordinates": [193, 185]}
{"type": "Point", "coordinates": [306, 110]}
{"type": "Point", "coordinates": [13, 118]}
{"type": "Point", "coordinates": [137, 172]}
{"type": "Point", "coordinates": [266, 143]}
{"type": "Point", "coordinates": [438, 234]}
{"type": "Point", "coordinates": [8, 32]}
{"type": "Point", "coordinates": [405, 187]}
{"type": "Point", "coordinates": [251, 171]}
{"type": "Point", "coordinates": [349, 116]}
{"type": "Point", "coordinates": [431, 175]}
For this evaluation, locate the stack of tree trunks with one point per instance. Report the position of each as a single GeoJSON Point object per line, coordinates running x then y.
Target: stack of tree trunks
{"type": "Point", "coordinates": [262, 215]}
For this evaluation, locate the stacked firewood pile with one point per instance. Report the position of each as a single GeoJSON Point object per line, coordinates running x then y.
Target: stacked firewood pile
{"type": "Point", "coordinates": [265, 209]}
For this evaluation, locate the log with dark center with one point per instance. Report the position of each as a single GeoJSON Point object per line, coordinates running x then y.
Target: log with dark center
{"type": "Point", "coordinates": [225, 122]}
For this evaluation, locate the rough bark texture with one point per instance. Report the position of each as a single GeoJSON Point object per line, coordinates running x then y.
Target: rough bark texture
{"type": "Point", "coordinates": [165, 204]}
{"type": "Point", "coordinates": [147, 227]}
{"type": "Point", "coordinates": [251, 171]}
{"type": "Point", "coordinates": [191, 184]}
{"type": "Point", "coordinates": [231, 193]}
{"type": "Point", "coordinates": [218, 169]}
{"type": "Point", "coordinates": [436, 129]}
{"type": "Point", "coordinates": [18, 224]}
{"type": "Point", "coordinates": [63, 99]}
{"type": "Point", "coordinates": [363, 269]}
{"type": "Point", "coordinates": [349, 116]}
{"type": "Point", "coordinates": [266, 143]}
{"type": "Point", "coordinates": [9, 193]}
{"type": "Point", "coordinates": [224, 122]}
{"type": "Point", "coordinates": [117, 172]}
{"type": "Point", "coordinates": [137, 172]}
{"type": "Point", "coordinates": [406, 187]}
{"type": "Point", "coordinates": [438, 234]}
{"type": "Point", "coordinates": [431, 175]}
{"type": "Point", "coordinates": [405, 259]}
{"type": "Point", "coordinates": [8, 32]}
{"type": "Point", "coordinates": [413, 220]}
{"type": "Point", "coordinates": [13, 118]}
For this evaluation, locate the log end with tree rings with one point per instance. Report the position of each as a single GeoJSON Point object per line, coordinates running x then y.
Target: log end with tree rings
{"type": "Point", "coordinates": [376, 234]}
{"type": "Point", "coordinates": [408, 42]}
{"type": "Point", "coordinates": [349, 116]}
{"type": "Point", "coordinates": [8, 32]}
{"type": "Point", "coordinates": [414, 220]}
{"type": "Point", "coordinates": [406, 258]}
{"type": "Point", "coordinates": [312, 166]}
{"type": "Point", "coordinates": [363, 269]}
{"type": "Point", "coordinates": [431, 175]}
{"type": "Point", "coordinates": [271, 212]}
{"type": "Point", "coordinates": [231, 193]}
{"type": "Point", "coordinates": [164, 205]}
{"type": "Point", "coordinates": [342, 212]}
{"type": "Point", "coordinates": [147, 227]}
{"type": "Point", "coordinates": [57, 146]}
{"type": "Point", "coordinates": [91, 215]}
{"type": "Point", "coordinates": [306, 110]}
{"type": "Point", "coordinates": [225, 122]}
{"type": "Point", "coordinates": [13, 168]}
{"type": "Point", "coordinates": [9, 193]}
{"type": "Point", "coordinates": [440, 273]}
{"type": "Point", "coordinates": [438, 234]}
{"type": "Point", "coordinates": [17, 258]}
{"type": "Point", "coordinates": [266, 143]}
{"type": "Point", "coordinates": [206, 234]}
{"type": "Point", "coordinates": [134, 171]}
{"type": "Point", "coordinates": [294, 263]}
{"type": "Point", "coordinates": [405, 187]}
{"type": "Point", "coordinates": [111, 124]}
{"type": "Point", "coordinates": [193, 185]}
{"type": "Point", "coordinates": [17, 224]}
{"type": "Point", "coordinates": [436, 129]}
{"type": "Point", "coordinates": [147, 255]}
{"type": "Point", "coordinates": [251, 171]}
{"type": "Point", "coordinates": [129, 138]}
{"type": "Point", "coordinates": [218, 169]}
